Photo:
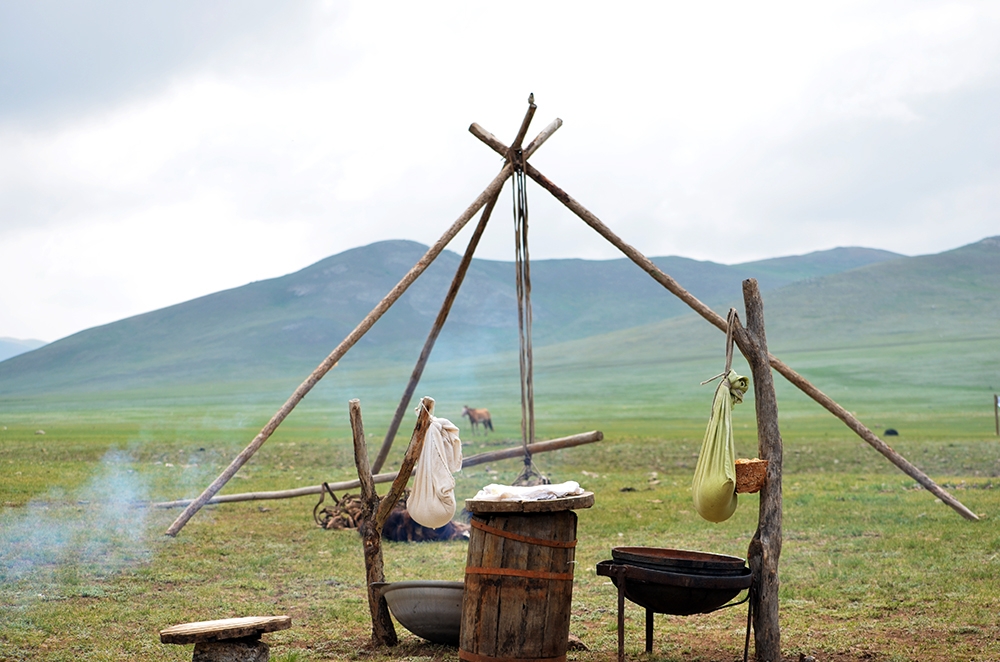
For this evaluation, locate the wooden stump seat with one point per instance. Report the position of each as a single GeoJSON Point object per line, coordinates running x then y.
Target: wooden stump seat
{"type": "Point", "coordinates": [227, 639]}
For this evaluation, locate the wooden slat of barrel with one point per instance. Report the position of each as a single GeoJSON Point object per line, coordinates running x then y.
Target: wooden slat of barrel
{"type": "Point", "coordinates": [510, 617]}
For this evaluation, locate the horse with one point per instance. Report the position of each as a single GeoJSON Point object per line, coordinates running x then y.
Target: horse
{"type": "Point", "coordinates": [477, 416]}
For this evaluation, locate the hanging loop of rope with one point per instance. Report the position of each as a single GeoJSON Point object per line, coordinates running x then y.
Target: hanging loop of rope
{"type": "Point", "coordinates": [524, 319]}
{"type": "Point", "coordinates": [732, 319]}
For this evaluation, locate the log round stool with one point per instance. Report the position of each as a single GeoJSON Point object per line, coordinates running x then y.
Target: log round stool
{"type": "Point", "coordinates": [227, 639]}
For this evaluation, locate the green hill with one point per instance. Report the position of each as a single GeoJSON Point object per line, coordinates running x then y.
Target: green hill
{"type": "Point", "coordinates": [911, 338]}
{"type": "Point", "coordinates": [283, 327]}
{"type": "Point", "coordinates": [13, 346]}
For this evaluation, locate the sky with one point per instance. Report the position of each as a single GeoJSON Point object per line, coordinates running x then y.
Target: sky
{"type": "Point", "coordinates": [154, 152]}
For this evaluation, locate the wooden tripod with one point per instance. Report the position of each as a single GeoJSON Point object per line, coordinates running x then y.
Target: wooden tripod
{"type": "Point", "coordinates": [750, 342]}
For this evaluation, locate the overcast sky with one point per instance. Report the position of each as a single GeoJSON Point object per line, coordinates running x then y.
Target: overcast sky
{"type": "Point", "coordinates": [153, 152]}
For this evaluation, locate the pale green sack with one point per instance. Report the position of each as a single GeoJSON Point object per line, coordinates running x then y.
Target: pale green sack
{"type": "Point", "coordinates": [714, 485]}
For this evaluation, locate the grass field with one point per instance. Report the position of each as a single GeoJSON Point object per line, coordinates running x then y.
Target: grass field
{"type": "Point", "coordinates": [873, 568]}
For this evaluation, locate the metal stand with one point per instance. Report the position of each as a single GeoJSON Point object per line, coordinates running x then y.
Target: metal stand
{"type": "Point", "coordinates": [622, 573]}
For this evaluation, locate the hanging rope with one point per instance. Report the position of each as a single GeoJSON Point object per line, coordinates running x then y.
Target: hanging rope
{"type": "Point", "coordinates": [714, 483]}
{"type": "Point", "coordinates": [529, 475]}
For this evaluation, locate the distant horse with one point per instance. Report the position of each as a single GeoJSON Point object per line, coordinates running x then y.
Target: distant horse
{"type": "Point", "coordinates": [477, 416]}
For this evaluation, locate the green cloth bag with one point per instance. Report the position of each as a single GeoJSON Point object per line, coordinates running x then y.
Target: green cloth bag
{"type": "Point", "coordinates": [714, 485]}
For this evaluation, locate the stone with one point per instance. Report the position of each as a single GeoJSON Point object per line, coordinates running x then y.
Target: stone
{"type": "Point", "coordinates": [232, 650]}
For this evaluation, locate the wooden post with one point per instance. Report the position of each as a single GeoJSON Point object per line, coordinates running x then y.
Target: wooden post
{"type": "Point", "coordinates": [383, 631]}
{"type": "Point", "coordinates": [765, 548]}
{"type": "Point", "coordinates": [375, 511]}
{"type": "Point", "coordinates": [996, 412]}
{"type": "Point", "coordinates": [425, 353]}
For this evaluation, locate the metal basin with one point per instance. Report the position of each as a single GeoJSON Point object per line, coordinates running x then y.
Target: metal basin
{"type": "Point", "coordinates": [428, 609]}
{"type": "Point", "coordinates": [667, 592]}
{"type": "Point", "coordinates": [680, 560]}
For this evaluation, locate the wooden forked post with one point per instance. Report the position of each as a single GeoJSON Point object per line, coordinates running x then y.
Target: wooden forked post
{"type": "Point", "coordinates": [765, 547]}
{"type": "Point", "coordinates": [375, 511]}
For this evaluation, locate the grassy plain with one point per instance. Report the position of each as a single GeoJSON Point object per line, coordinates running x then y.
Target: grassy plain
{"type": "Point", "coordinates": [873, 568]}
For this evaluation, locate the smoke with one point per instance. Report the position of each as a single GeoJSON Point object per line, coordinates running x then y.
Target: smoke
{"type": "Point", "coordinates": [60, 537]}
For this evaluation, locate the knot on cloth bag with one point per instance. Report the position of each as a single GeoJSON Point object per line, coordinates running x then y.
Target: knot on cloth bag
{"type": "Point", "coordinates": [432, 499]}
{"type": "Point", "coordinates": [714, 485]}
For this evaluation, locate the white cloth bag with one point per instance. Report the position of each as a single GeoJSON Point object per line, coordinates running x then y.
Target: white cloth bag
{"type": "Point", "coordinates": [432, 499]}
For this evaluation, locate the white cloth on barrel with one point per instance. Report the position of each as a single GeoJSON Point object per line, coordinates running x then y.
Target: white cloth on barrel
{"type": "Point", "coordinates": [432, 499]}
{"type": "Point", "coordinates": [496, 492]}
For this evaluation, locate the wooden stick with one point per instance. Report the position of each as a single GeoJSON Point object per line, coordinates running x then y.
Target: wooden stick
{"type": "Point", "coordinates": [718, 321]}
{"type": "Point", "coordinates": [432, 337]}
{"type": "Point", "coordinates": [497, 145]}
{"type": "Point", "coordinates": [765, 548]}
{"type": "Point", "coordinates": [516, 145]}
{"type": "Point", "coordinates": [542, 137]}
{"type": "Point", "coordinates": [365, 481]}
{"type": "Point", "coordinates": [406, 468]}
{"type": "Point", "coordinates": [490, 192]}
{"type": "Point", "coordinates": [383, 631]}
{"type": "Point", "coordinates": [862, 431]}
{"type": "Point", "coordinates": [472, 460]}
{"type": "Point", "coordinates": [492, 141]}
{"type": "Point", "coordinates": [537, 447]}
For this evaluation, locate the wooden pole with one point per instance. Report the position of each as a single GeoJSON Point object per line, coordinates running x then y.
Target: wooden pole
{"type": "Point", "coordinates": [996, 412]}
{"type": "Point", "coordinates": [472, 460]}
{"type": "Point", "coordinates": [418, 370]}
{"type": "Point", "coordinates": [873, 440]}
{"type": "Point", "coordinates": [489, 193]}
{"type": "Point", "coordinates": [383, 631]}
{"type": "Point", "coordinates": [765, 548]}
{"type": "Point", "coordinates": [432, 337]}
{"type": "Point", "coordinates": [406, 468]}
{"type": "Point", "coordinates": [516, 145]}
{"type": "Point", "coordinates": [718, 321]}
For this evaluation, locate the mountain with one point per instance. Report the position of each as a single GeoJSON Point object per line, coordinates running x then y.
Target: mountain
{"type": "Point", "coordinates": [13, 346]}
{"type": "Point", "coordinates": [945, 297]}
{"type": "Point", "coordinates": [286, 326]}
{"type": "Point", "coordinates": [784, 270]}
{"type": "Point", "coordinates": [899, 341]}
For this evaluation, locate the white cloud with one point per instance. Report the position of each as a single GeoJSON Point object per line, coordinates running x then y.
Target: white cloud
{"type": "Point", "coordinates": [721, 131]}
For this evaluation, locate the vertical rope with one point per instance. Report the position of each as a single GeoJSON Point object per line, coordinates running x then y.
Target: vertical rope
{"type": "Point", "coordinates": [730, 323]}
{"type": "Point", "coordinates": [524, 318]}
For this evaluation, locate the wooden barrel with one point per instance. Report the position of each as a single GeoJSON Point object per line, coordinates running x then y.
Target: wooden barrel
{"type": "Point", "coordinates": [518, 584]}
